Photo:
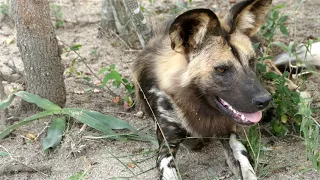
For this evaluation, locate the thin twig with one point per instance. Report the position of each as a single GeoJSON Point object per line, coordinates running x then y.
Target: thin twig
{"type": "Point", "coordinates": [83, 61]}
{"type": "Point", "coordinates": [122, 163]}
{"type": "Point", "coordinates": [13, 159]}
{"type": "Point", "coordinates": [43, 129]}
{"type": "Point", "coordinates": [158, 125]}
{"type": "Point", "coordinates": [130, 177]}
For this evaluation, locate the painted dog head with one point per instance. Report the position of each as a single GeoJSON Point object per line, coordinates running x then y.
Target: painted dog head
{"type": "Point", "coordinates": [220, 57]}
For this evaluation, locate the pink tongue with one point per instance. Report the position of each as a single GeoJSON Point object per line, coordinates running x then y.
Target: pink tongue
{"type": "Point", "coordinates": [253, 117]}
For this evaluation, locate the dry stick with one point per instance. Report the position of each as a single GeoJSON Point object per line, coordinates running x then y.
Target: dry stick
{"type": "Point", "coordinates": [122, 163]}
{"type": "Point", "coordinates": [43, 128]}
{"type": "Point", "coordinates": [115, 34]}
{"type": "Point", "coordinates": [13, 159]}
{"type": "Point", "coordinates": [13, 67]}
{"type": "Point", "coordinates": [292, 86]}
{"type": "Point", "coordinates": [118, 37]}
{"type": "Point", "coordinates": [16, 78]}
{"type": "Point", "coordinates": [83, 61]}
{"type": "Point", "coordinates": [130, 177]}
{"type": "Point", "coordinates": [158, 125]}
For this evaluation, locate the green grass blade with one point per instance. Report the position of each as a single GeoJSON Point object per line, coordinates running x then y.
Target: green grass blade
{"type": "Point", "coordinates": [2, 154]}
{"type": "Point", "coordinates": [27, 120]}
{"type": "Point", "coordinates": [55, 133]}
{"type": "Point", "coordinates": [79, 176]}
{"type": "Point", "coordinates": [4, 104]}
{"type": "Point", "coordinates": [82, 116]}
{"type": "Point", "coordinates": [40, 102]}
{"type": "Point", "coordinates": [105, 120]}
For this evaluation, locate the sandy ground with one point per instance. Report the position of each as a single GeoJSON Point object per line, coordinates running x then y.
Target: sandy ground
{"type": "Point", "coordinates": [106, 159]}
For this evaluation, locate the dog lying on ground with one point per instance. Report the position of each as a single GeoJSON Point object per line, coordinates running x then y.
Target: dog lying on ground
{"type": "Point", "coordinates": [196, 78]}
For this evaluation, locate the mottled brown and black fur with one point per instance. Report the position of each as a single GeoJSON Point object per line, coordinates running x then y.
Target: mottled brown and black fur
{"type": "Point", "coordinates": [190, 63]}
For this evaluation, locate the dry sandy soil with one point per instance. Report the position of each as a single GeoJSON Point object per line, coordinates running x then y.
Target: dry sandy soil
{"type": "Point", "coordinates": [106, 159]}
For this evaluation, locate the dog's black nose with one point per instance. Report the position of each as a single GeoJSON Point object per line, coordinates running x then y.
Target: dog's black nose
{"type": "Point", "coordinates": [262, 101]}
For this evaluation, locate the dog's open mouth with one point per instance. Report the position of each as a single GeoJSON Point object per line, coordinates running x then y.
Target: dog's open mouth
{"type": "Point", "coordinates": [240, 117]}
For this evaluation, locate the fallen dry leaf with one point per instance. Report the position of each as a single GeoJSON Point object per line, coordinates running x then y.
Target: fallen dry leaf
{"type": "Point", "coordinates": [30, 136]}
{"type": "Point", "coordinates": [131, 165]}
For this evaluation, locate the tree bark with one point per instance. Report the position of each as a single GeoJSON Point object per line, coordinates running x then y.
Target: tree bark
{"type": "Point", "coordinates": [107, 18]}
{"type": "Point", "coordinates": [140, 22]}
{"type": "Point", "coordinates": [2, 97]}
{"type": "Point", "coordinates": [39, 50]}
{"type": "Point", "coordinates": [115, 17]}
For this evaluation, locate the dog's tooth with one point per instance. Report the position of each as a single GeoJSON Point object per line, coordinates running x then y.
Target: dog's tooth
{"type": "Point", "coordinates": [242, 117]}
{"type": "Point", "coordinates": [230, 108]}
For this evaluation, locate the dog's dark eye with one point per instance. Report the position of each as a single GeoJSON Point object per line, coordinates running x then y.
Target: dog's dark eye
{"type": "Point", "coordinates": [221, 69]}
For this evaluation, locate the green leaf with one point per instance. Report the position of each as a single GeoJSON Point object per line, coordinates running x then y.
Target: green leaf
{"type": "Point", "coordinates": [76, 47]}
{"type": "Point", "coordinates": [129, 88]}
{"type": "Point", "coordinates": [261, 67]}
{"type": "Point", "coordinates": [256, 45]}
{"type": "Point", "coordinates": [281, 45]}
{"type": "Point", "coordinates": [55, 133]}
{"type": "Point", "coordinates": [142, 9]}
{"type": "Point", "coordinates": [79, 176]}
{"type": "Point", "coordinates": [283, 19]}
{"type": "Point", "coordinates": [27, 120]}
{"type": "Point", "coordinates": [284, 30]}
{"type": "Point", "coordinates": [5, 104]}
{"type": "Point", "coordinates": [87, 78]}
{"type": "Point", "coordinates": [112, 66]}
{"type": "Point", "coordinates": [275, 15]}
{"type": "Point", "coordinates": [126, 81]}
{"type": "Point", "coordinates": [102, 70]}
{"type": "Point", "coordinates": [3, 154]}
{"type": "Point", "coordinates": [98, 121]}
{"type": "Point", "coordinates": [105, 80]}
{"type": "Point", "coordinates": [279, 6]}
{"type": "Point", "coordinates": [290, 47]}
{"type": "Point", "coordinates": [268, 34]}
{"type": "Point", "coordinates": [272, 75]}
{"type": "Point", "coordinates": [116, 76]}
{"type": "Point", "coordinates": [40, 102]}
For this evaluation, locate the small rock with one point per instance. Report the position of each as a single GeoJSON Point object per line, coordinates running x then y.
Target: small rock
{"type": "Point", "coordinates": [95, 90]}
{"type": "Point", "coordinates": [232, 1]}
{"type": "Point", "coordinates": [139, 114]}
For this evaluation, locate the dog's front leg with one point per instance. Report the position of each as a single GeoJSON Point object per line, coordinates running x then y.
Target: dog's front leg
{"type": "Point", "coordinates": [238, 158]}
{"type": "Point", "coordinates": [169, 137]}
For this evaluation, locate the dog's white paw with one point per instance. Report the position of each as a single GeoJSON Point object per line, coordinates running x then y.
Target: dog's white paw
{"type": "Point", "coordinates": [248, 174]}
{"type": "Point", "coordinates": [168, 173]}
{"type": "Point", "coordinates": [241, 155]}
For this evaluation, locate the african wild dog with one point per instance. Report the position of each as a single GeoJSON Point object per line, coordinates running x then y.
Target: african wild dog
{"type": "Point", "coordinates": [197, 75]}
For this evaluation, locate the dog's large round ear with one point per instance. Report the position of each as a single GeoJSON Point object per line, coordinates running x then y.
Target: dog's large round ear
{"type": "Point", "coordinates": [249, 16]}
{"type": "Point", "coordinates": [189, 29]}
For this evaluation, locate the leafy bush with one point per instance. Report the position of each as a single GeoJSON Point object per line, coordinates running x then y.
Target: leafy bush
{"type": "Point", "coordinates": [292, 108]}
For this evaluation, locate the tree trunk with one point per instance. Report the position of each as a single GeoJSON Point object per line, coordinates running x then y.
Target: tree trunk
{"type": "Point", "coordinates": [107, 18]}
{"type": "Point", "coordinates": [39, 50]}
{"type": "Point", "coordinates": [116, 18]}
{"type": "Point", "coordinates": [2, 97]}
{"type": "Point", "coordinates": [140, 22]}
